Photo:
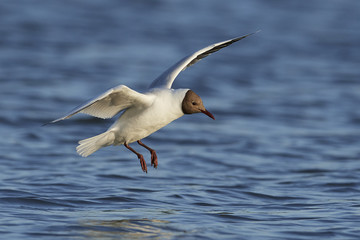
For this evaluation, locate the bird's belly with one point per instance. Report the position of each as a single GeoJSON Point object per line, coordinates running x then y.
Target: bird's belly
{"type": "Point", "coordinates": [132, 127]}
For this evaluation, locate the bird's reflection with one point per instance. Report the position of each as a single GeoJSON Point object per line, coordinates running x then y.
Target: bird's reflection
{"type": "Point", "coordinates": [127, 229]}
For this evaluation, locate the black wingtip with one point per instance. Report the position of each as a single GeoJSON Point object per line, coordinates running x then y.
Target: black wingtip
{"type": "Point", "coordinates": [247, 35]}
{"type": "Point", "coordinates": [259, 30]}
{"type": "Point", "coordinates": [48, 123]}
{"type": "Point", "coordinates": [51, 122]}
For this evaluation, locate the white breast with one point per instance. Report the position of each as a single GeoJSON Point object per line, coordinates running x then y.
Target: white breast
{"type": "Point", "coordinates": [137, 123]}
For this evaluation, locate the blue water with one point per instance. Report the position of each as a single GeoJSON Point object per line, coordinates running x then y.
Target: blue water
{"type": "Point", "coordinates": [281, 161]}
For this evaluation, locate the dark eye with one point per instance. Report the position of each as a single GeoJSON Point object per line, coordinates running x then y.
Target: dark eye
{"type": "Point", "coordinates": [193, 103]}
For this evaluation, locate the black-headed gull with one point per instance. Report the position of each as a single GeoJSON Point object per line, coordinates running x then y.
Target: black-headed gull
{"type": "Point", "coordinates": [147, 112]}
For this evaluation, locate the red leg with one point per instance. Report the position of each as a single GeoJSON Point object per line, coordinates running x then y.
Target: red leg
{"type": "Point", "coordinates": [154, 160]}
{"type": "Point", "coordinates": [141, 158]}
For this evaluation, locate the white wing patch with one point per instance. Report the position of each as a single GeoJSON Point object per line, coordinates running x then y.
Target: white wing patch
{"type": "Point", "coordinates": [111, 102]}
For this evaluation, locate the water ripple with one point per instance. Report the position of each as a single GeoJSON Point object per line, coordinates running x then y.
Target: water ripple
{"type": "Point", "coordinates": [279, 162]}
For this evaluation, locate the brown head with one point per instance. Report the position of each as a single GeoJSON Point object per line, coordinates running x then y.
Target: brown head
{"type": "Point", "coordinates": [192, 103]}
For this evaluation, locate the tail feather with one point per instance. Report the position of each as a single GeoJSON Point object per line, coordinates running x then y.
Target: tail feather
{"type": "Point", "coordinates": [91, 145]}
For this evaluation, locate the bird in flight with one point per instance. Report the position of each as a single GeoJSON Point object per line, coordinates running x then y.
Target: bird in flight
{"type": "Point", "coordinates": [144, 113]}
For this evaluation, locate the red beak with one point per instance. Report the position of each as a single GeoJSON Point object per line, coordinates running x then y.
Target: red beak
{"type": "Point", "coordinates": [207, 113]}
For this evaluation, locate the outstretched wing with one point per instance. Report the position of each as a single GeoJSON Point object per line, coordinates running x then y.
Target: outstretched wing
{"type": "Point", "coordinates": [166, 79]}
{"type": "Point", "coordinates": [111, 102]}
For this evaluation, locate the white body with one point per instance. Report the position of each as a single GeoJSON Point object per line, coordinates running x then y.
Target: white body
{"type": "Point", "coordinates": [139, 122]}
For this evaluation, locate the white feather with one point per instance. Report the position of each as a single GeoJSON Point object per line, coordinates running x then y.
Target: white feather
{"type": "Point", "coordinates": [166, 79]}
{"type": "Point", "coordinates": [91, 145]}
{"type": "Point", "coordinates": [111, 102]}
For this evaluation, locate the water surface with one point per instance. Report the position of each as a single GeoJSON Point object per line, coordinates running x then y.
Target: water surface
{"type": "Point", "coordinates": [281, 161]}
